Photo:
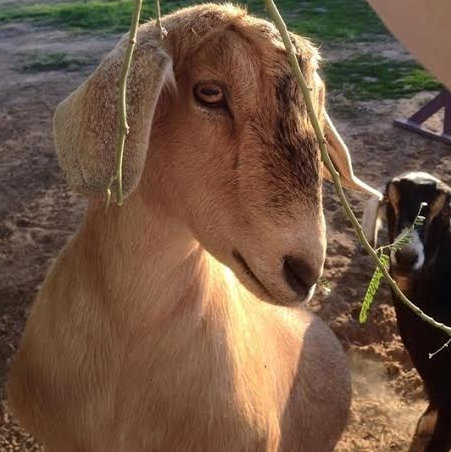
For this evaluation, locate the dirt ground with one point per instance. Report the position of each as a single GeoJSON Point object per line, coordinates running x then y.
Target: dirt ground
{"type": "Point", "coordinates": [38, 213]}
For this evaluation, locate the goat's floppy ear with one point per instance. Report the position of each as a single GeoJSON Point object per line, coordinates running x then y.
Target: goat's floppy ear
{"type": "Point", "coordinates": [86, 122]}
{"type": "Point", "coordinates": [339, 154]}
{"type": "Point", "coordinates": [373, 215]}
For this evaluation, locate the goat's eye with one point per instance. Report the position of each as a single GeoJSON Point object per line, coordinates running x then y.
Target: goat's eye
{"type": "Point", "coordinates": [210, 94]}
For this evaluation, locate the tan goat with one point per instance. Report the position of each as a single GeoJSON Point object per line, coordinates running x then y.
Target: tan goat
{"type": "Point", "coordinates": [142, 339]}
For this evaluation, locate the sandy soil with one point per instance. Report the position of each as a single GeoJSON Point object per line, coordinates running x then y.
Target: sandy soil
{"type": "Point", "coordinates": [38, 213]}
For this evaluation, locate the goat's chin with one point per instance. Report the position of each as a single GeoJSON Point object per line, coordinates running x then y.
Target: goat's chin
{"type": "Point", "coordinates": [274, 293]}
{"type": "Point", "coordinates": [401, 272]}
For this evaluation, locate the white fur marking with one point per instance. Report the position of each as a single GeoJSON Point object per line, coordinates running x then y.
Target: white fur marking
{"type": "Point", "coordinates": [414, 243]}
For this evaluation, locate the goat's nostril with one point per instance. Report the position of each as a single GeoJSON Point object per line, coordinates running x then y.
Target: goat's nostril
{"type": "Point", "coordinates": [406, 257]}
{"type": "Point", "coordinates": [299, 275]}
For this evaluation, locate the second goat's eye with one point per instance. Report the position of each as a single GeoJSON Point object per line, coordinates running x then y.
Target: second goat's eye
{"type": "Point", "coordinates": [210, 94]}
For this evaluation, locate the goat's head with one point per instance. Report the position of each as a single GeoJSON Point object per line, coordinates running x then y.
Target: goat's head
{"type": "Point", "coordinates": [405, 196]}
{"type": "Point", "coordinates": [231, 151]}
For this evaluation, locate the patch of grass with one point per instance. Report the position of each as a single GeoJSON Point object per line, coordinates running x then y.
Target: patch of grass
{"type": "Point", "coordinates": [369, 77]}
{"type": "Point", "coordinates": [92, 16]}
{"type": "Point", "coordinates": [324, 20]}
{"type": "Point", "coordinates": [41, 62]}
{"type": "Point", "coordinates": [329, 21]}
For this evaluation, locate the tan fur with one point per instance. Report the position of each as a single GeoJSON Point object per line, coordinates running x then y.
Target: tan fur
{"type": "Point", "coordinates": [148, 335]}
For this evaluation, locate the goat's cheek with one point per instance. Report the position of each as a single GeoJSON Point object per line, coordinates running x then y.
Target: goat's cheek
{"type": "Point", "coordinates": [434, 234]}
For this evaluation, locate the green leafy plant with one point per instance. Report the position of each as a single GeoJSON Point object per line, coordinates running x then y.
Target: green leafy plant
{"type": "Point", "coordinates": [372, 289]}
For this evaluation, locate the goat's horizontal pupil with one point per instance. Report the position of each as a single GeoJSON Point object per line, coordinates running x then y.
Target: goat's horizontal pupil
{"type": "Point", "coordinates": [210, 91]}
{"type": "Point", "coordinates": [209, 94]}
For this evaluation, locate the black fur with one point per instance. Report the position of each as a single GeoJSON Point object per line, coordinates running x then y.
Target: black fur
{"type": "Point", "coordinates": [430, 289]}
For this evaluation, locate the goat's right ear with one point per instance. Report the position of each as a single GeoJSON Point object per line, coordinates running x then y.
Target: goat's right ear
{"type": "Point", "coordinates": [373, 215]}
{"type": "Point", "coordinates": [339, 154]}
{"type": "Point", "coordinates": [86, 122]}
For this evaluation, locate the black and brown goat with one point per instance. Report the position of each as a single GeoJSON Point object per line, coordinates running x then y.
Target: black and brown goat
{"type": "Point", "coordinates": [422, 270]}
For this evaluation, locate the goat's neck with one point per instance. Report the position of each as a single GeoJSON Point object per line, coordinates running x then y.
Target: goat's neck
{"type": "Point", "coordinates": [170, 303]}
{"type": "Point", "coordinates": [150, 264]}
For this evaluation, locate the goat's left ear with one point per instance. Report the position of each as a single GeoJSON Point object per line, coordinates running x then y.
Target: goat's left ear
{"type": "Point", "coordinates": [339, 154]}
{"type": "Point", "coordinates": [86, 122]}
{"type": "Point", "coordinates": [373, 216]}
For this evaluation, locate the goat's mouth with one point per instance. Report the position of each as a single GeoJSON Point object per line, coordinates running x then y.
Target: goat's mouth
{"type": "Point", "coordinates": [404, 272]}
{"type": "Point", "coordinates": [247, 270]}
{"type": "Point", "coordinates": [273, 292]}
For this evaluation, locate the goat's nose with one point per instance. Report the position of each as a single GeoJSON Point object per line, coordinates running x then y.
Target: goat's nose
{"type": "Point", "coordinates": [407, 257]}
{"type": "Point", "coordinates": [300, 275]}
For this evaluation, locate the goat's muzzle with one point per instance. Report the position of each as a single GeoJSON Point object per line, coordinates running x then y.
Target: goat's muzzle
{"type": "Point", "coordinates": [300, 276]}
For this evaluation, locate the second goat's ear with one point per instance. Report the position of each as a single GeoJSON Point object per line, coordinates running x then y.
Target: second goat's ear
{"type": "Point", "coordinates": [373, 217]}
{"type": "Point", "coordinates": [86, 122]}
{"type": "Point", "coordinates": [339, 154]}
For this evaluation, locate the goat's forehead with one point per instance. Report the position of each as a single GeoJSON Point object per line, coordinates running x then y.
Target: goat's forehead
{"type": "Point", "coordinates": [409, 188]}
{"type": "Point", "coordinates": [272, 53]}
{"type": "Point", "coordinates": [411, 194]}
{"type": "Point", "coordinates": [249, 60]}
{"type": "Point", "coordinates": [258, 40]}
{"type": "Point", "coordinates": [196, 25]}
{"type": "Point", "coordinates": [419, 183]}
{"type": "Point", "coordinates": [419, 178]}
